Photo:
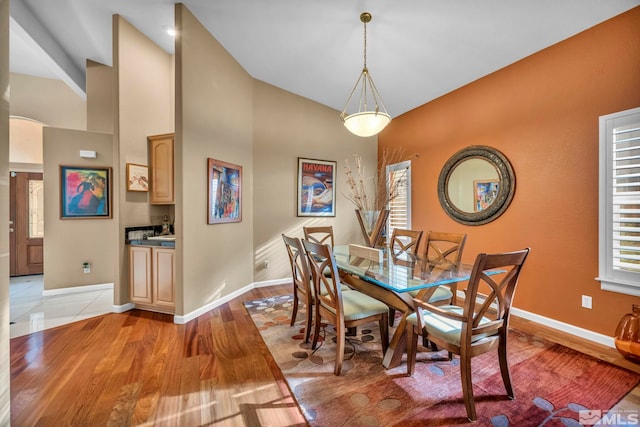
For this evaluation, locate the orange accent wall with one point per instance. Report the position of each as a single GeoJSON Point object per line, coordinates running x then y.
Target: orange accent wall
{"type": "Point", "coordinates": [542, 113]}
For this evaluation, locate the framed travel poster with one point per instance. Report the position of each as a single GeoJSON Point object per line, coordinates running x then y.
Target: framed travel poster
{"type": "Point", "coordinates": [85, 192]}
{"type": "Point", "coordinates": [316, 187]}
{"type": "Point", "coordinates": [224, 188]}
{"type": "Point", "coordinates": [485, 192]}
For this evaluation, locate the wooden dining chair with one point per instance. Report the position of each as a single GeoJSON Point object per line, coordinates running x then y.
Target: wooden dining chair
{"type": "Point", "coordinates": [403, 242]}
{"type": "Point", "coordinates": [322, 235]}
{"type": "Point", "coordinates": [445, 248]}
{"type": "Point", "coordinates": [302, 287]}
{"type": "Point", "coordinates": [341, 309]}
{"type": "Point", "coordinates": [478, 326]}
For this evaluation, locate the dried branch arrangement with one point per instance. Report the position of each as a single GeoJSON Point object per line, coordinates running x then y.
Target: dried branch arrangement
{"type": "Point", "coordinates": [370, 193]}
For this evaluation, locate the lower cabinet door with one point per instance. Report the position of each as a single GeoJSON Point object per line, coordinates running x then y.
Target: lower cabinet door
{"type": "Point", "coordinates": [164, 277]}
{"type": "Point", "coordinates": [140, 281]}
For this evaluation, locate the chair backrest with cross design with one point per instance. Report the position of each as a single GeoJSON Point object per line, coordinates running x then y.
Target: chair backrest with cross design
{"type": "Point", "coordinates": [322, 235]}
{"type": "Point", "coordinates": [405, 241]}
{"type": "Point", "coordinates": [445, 248]}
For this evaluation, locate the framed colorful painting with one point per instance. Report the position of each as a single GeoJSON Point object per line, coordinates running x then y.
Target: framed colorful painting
{"type": "Point", "coordinates": [316, 187]}
{"type": "Point", "coordinates": [224, 188]}
{"type": "Point", "coordinates": [85, 192]}
{"type": "Point", "coordinates": [137, 177]}
{"type": "Point", "coordinates": [485, 192]}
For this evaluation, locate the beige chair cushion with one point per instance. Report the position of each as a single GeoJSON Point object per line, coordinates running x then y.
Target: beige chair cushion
{"type": "Point", "coordinates": [357, 305]}
{"type": "Point", "coordinates": [446, 329]}
{"type": "Point", "coordinates": [343, 288]}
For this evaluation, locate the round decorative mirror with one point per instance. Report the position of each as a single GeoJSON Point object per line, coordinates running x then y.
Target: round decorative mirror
{"type": "Point", "coordinates": [476, 185]}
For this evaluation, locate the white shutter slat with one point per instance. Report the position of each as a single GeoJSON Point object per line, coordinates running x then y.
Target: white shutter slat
{"type": "Point", "coordinates": [625, 220]}
{"type": "Point", "coordinates": [399, 177]}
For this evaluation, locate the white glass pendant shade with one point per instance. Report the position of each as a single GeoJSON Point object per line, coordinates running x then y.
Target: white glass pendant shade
{"type": "Point", "coordinates": [371, 116]}
{"type": "Point", "coordinates": [367, 123]}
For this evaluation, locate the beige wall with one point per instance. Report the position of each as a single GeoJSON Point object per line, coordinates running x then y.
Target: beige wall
{"type": "Point", "coordinates": [285, 127]}
{"type": "Point", "coordinates": [213, 119]}
{"type": "Point", "coordinates": [100, 111]}
{"type": "Point", "coordinates": [5, 397]}
{"type": "Point", "coordinates": [25, 136]}
{"type": "Point", "coordinates": [142, 74]}
{"type": "Point", "coordinates": [49, 101]}
{"type": "Point", "coordinates": [70, 242]}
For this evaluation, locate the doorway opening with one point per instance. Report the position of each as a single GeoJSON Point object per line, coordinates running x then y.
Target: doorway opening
{"type": "Point", "coordinates": [26, 197]}
{"type": "Point", "coordinates": [26, 223]}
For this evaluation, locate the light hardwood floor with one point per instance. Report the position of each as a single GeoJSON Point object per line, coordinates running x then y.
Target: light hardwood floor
{"type": "Point", "coordinates": [138, 368]}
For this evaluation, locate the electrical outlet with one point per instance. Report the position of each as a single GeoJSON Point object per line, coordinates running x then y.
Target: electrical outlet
{"type": "Point", "coordinates": [586, 301]}
{"type": "Point", "coordinates": [86, 267]}
{"type": "Point", "coordinates": [266, 264]}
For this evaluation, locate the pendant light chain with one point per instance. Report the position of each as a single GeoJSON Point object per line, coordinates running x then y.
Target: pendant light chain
{"type": "Point", "coordinates": [365, 72]}
{"type": "Point", "coordinates": [365, 44]}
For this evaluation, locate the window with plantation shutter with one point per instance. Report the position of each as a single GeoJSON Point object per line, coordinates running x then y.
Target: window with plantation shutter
{"type": "Point", "coordinates": [399, 188]}
{"type": "Point", "coordinates": [619, 268]}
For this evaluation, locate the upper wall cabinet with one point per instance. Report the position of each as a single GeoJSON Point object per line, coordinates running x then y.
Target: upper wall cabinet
{"type": "Point", "coordinates": [161, 169]}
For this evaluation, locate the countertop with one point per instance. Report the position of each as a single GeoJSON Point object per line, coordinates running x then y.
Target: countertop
{"type": "Point", "coordinates": [153, 242]}
{"type": "Point", "coordinates": [167, 238]}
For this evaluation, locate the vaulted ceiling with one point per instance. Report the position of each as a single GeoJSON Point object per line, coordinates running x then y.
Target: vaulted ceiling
{"type": "Point", "coordinates": [417, 50]}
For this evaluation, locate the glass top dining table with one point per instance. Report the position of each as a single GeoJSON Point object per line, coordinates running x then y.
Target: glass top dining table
{"type": "Point", "coordinates": [401, 272]}
{"type": "Point", "coordinates": [391, 280]}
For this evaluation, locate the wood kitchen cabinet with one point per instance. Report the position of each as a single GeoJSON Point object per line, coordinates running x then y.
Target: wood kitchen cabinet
{"type": "Point", "coordinates": [152, 278]}
{"type": "Point", "coordinates": [161, 169]}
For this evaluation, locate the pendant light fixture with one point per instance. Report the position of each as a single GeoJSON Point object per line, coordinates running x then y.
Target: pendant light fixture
{"type": "Point", "coordinates": [371, 116]}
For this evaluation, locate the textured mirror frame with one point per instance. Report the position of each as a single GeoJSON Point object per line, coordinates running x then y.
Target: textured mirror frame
{"type": "Point", "coordinates": [506, 186]}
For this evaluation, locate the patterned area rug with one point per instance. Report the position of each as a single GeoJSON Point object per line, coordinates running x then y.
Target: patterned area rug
{"type": "Point", "coordinates": [554, 385]}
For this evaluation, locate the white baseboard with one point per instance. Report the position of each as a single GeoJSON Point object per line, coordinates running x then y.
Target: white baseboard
{"type": "Point", "coordinates": [122, 308]}
{"type": "Point", "coordinates": [565, 327]}
{"type": "Point", "coordinates": [560, 326]}
{"type": "Point", "coordinates": [77, 289]}
{"type": "Point", "coordinates": [546, 321]}
{"type": "Point", "coordinates": [89, 288]}
{"type": "Point", "coordinates": [181, 320]}
{"type": "Point", "coordinates": [273, 282]}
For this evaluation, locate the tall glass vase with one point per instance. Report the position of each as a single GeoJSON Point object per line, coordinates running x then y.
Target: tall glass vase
{"type": "Point", "coordinates": [372, 225]}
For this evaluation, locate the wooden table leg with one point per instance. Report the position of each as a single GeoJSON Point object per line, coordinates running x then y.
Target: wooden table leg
{"type": "Point", "coordinates": [401, 301]}
{"type": "Point", "coordinates": [397, 346]}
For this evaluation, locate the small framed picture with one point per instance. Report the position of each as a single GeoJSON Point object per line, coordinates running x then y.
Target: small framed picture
{"type": "Point", "coordinates": [137, 177]}
{"type": "Point", "coordinates": [316, 187]}
{"type": "Point", "coordinates": [85, 192]}
{"type": "Point", "coordinates": [484, 192]}
{"type": "Point", "coordinates": [224, 188]}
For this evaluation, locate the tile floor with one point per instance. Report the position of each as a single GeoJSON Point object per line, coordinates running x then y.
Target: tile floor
{"type": "Point", "coordinates": [33, 312]}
